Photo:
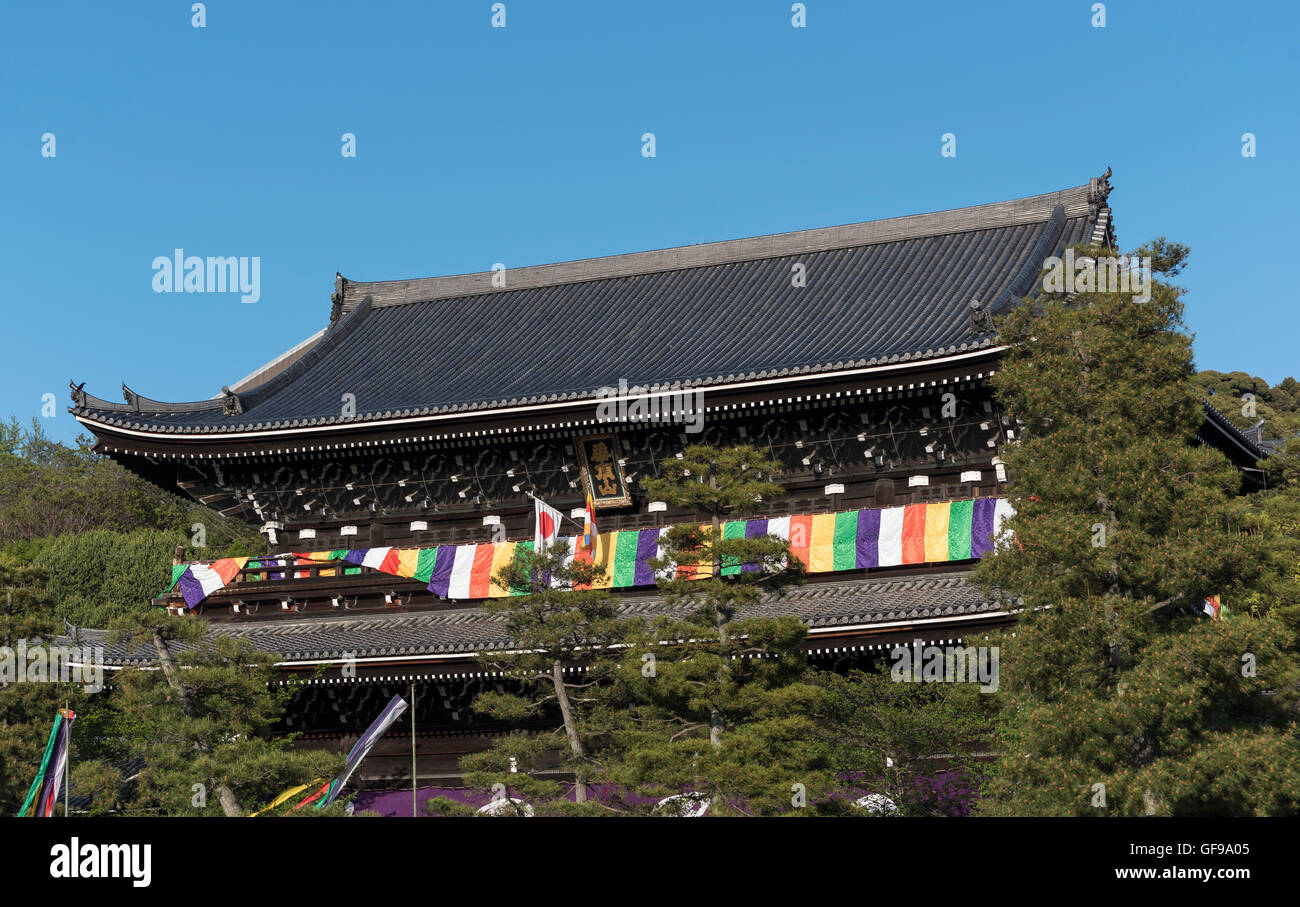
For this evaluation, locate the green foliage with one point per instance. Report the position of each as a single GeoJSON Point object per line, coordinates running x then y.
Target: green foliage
{"type": "Point", "coordinates": [1278, 406]}
{"type": "Point", "coordinates": [214, 730]}
{"type": "Point", "coordinates": [445, 806]}
{"type": "Point", "coordinates": [96, 779]}
{"type": "Point", "coordinates": [102, 538]}
{"type": "Point", "coordinates": [707, 701]}
{"type": "Point", "coordinates": [83, 539]}
{"type": "Point", "coordinates": [27, 710]}
{"type": "Point", "coordinates": [713, 481]}
{"type": "Point", "coordinates": [723, 715]}
{"type": "Point", "coordinates": [95, 576]}
{"type": "Point", "coordinates": [560, 624]}
{"type": "Point", "coordinates": [48, 488]}
{"type": "Point", "coordinates": [890, 736]}
{"type": "Point", "coordinates": [1122, 527]}
{"type": "Point", "coordinates": [1276, 513]}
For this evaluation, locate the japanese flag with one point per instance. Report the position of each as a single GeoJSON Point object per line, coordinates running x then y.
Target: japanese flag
{"type": "Point", "coordinates": [546, 524]}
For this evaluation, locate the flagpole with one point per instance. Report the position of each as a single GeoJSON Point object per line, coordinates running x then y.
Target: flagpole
{"type": "Point", "coordinates": [67, 762]}
{"type": "Point", "coordinates": [414, 783]}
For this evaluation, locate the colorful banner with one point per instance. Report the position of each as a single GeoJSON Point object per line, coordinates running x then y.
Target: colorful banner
{"type": "Point", "coordinates": [44, 792]}
{"type": "Point", "coordinates": [396, 706]}
{"type": "Point", "coordinates": [824, 542]}
{"type": "Point", "coordinates": [285, 798]}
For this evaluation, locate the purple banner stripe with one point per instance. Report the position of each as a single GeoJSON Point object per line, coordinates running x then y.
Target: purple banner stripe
{"type": "Point", "coordinates": [273, 562]}
{"type": "Point", "coordinates": [981, 527]}
{"type": "Point", "coordinates": [754, 529]}
{"type": "Point", "coordinates": [190, 589]}
{"type": "Point", "coordinates": [442, 565]}
{"type": "Point", "coordinates": [647, 546]}
{"type": "Point", "coordinates": [357, 557]}
{"type": "Point", "coordinates": [868, 539]}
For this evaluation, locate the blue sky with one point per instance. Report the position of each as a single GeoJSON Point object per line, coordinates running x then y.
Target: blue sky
{"type": "Point", "coordinates": [522, 145]}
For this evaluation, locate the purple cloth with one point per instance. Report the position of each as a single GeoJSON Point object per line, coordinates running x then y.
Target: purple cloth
{"type": "Point", "coordinates": [647, 546]}
{"type": "Point", "coordinates": [868, 539]}
{"type": "Point", "coordinates": [981, 527]}
{"type": "Point", "coordinates": [442, 564]}
{"type": "Point", "coordinates": [754, 529]}
{"type": "Point", "coordinates": [273, 562]}
{"type": "Point", "coordinates": [191, 589]}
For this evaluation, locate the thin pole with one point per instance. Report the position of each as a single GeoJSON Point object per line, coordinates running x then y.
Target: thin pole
{"type": "Point", "coordinates": [67, 762]}
{"type": "Point", "coordinates": [414, 783]}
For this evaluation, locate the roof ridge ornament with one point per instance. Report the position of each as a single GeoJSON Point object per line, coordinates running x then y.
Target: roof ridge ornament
{"type": "Point", "coordinates": [1099, 188]}
{"type": "Point", "coordinates": [230, 403]}
{"type": "Point", "coordinates": [78, 393]}
{"type": "Point", "coordinates": [131, 397]}
{"type": "Point", "coordinates": [337, 297]}
{"type": "Point", "coordinates": [981, 319]}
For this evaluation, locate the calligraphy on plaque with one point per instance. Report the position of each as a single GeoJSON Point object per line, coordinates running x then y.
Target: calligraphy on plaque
{"type": "Point", "coordinates": [598, 456]}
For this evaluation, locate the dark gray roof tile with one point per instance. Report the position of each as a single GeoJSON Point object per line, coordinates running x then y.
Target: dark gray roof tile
{"type": "Point", "coordinates": [893, 291]}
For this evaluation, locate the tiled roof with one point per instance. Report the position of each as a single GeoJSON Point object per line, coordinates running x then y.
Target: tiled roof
{"type": "Point", "coordinates": [876, 293]}
{"type": "Point", "coordinates": [1249, 444]}
{"type": "Point", "coordinates": [468, 630]}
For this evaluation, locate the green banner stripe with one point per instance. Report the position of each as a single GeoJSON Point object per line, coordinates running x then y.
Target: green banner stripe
{"type": "Point", "coordinates": [424, 564]}
{"type": "Point", "coordinates": [845, 547]}
{"type": "Point", "coordinates": [625, 558]}
{"type": "Point", "coordinates": [959, 521]}
{"type": "Point", "coordinates": [522, 547]}
{"type": "Point", "coordinates": [732, 529]}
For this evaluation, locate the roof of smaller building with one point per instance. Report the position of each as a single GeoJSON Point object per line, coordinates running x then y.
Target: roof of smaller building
{"type": "Point", "coordinates": [1250, 444]}
{"type": "Point", "coordinates": [470, 630]}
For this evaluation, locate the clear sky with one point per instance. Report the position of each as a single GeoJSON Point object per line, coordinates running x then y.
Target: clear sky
{"type": "Point", "coordinates": [522, 145]}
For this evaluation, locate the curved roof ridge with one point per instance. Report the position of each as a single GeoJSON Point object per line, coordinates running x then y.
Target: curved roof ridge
{"type": "Point", "coordinates": [308, 352]}
{"type": "Point", "coordinates": [330, 338]}
{"type": "Point", "coordinates": [138, 403]}
{"type": "Point", "coordinates": [1047, 242]}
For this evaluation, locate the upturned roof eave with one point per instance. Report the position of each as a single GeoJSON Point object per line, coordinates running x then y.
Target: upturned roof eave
{"type": "Point", "coordinates": [99, 424]}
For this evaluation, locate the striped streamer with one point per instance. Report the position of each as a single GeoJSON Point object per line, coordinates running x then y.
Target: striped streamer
{"type": "Point", "coordinates": [824, 542]}
{"type": "Point", "coordinates": [44, 792]}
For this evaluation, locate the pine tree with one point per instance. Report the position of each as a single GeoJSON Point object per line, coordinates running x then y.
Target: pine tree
{"type": "Point", "coordinates": [202, 722]}
{"type": "Point", "coordinates": [27, 709]}
{"type": "Point", "coordinates": [915, 743]}
{"type": "Point", "coordinates": [563, 635]}
{"type": "Point", "coordinates": [1277, 514]}
{"type": "Point", "coordinates": [1118, 696]}
{"type": "Point", "coordinates": [711, 705]}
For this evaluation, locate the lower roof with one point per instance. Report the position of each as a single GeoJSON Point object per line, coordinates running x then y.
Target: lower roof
{"type": "Point", "coordinates": [466, 631]}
